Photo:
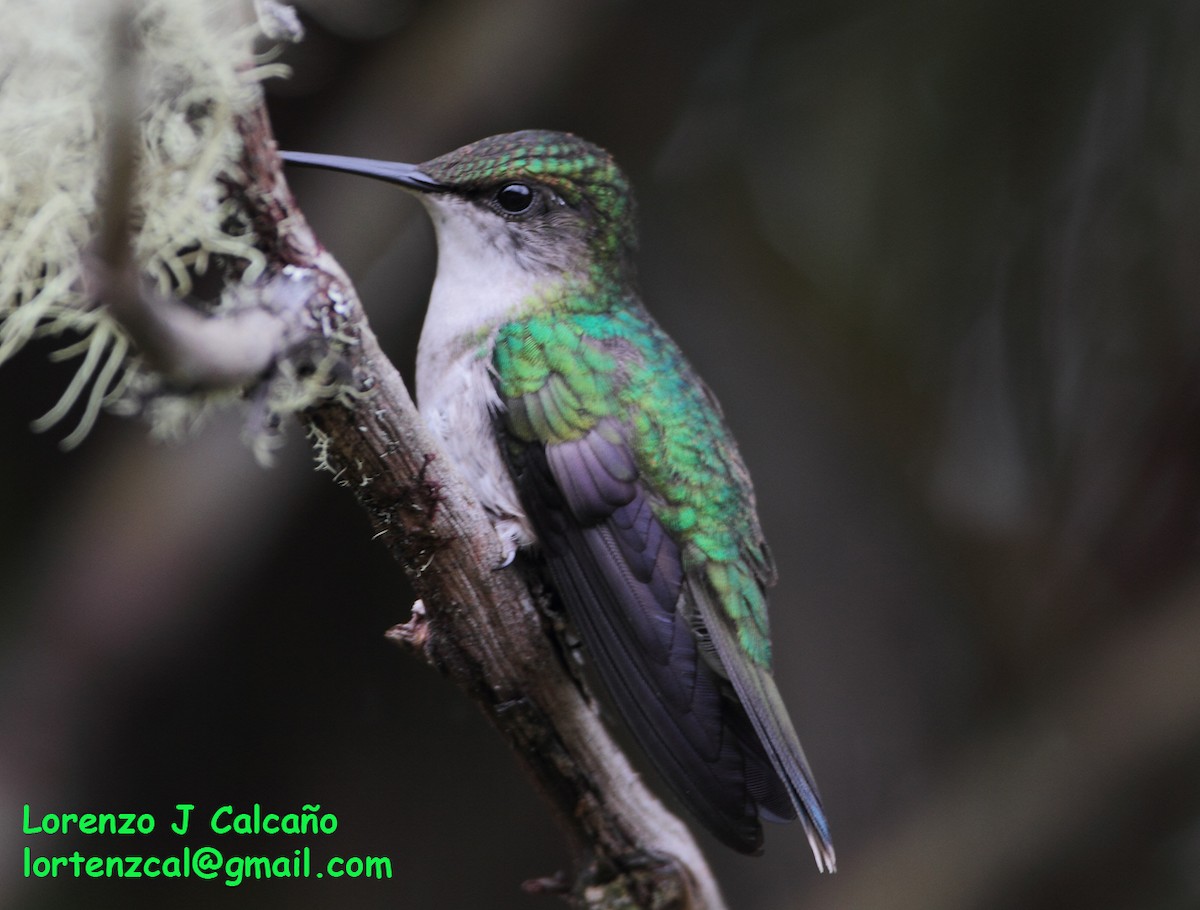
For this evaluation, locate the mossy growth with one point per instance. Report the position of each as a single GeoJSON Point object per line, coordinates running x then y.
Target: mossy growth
{"type": "Point", "coordinates": [198, 66]}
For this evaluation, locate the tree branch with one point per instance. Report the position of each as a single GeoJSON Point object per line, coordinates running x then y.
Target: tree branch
{"type": "Point", "coordinates": [479, 625]}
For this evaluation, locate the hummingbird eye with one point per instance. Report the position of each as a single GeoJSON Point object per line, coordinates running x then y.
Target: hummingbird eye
{"type": "Point", "coordinates": [514, 198]}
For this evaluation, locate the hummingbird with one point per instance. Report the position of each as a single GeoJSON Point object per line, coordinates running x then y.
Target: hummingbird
{"type": "Point", "coordinates": [589, 438]}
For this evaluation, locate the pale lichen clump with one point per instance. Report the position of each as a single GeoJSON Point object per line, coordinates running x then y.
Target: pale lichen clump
{"type": "Point", "coordinates": [195, 74]}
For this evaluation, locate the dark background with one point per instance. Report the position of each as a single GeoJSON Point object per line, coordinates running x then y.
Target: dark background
{"type": "Point", "coordinates": [939, 262]}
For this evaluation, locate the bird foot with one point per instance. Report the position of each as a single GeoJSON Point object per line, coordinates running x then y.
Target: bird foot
{"type": "Point", "coordinates": [509, 531]}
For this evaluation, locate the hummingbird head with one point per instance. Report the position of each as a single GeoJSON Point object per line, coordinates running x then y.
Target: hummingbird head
{"type": "Point", "coordinates": [543, 202]}
{"type": "Point", "coordinates": [550, 201]}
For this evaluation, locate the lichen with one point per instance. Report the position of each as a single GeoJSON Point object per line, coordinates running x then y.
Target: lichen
{"type": "Point", "coordinates": [196, 73]}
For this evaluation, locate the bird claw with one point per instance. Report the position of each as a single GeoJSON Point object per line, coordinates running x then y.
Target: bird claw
{"type": "Point", "coordinates": [509, 532]}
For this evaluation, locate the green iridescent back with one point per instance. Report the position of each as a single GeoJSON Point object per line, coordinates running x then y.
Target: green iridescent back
{"type": "Point", "coordinates": [586, 357]}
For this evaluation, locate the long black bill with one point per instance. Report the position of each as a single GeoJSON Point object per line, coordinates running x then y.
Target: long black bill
{"type": "Point", "coordinates": [408, 175]}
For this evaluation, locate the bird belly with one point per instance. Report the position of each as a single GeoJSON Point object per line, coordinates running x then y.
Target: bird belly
{"type": "Point", "coordinates": [459, 407]}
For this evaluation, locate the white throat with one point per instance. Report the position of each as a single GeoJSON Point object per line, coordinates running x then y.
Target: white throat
{"type": "Point", "coordinates": [477, 285]}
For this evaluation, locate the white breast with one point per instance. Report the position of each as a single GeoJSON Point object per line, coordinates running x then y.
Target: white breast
{"type": "Point", "coordinates": [458, 407]}
{"type": "Point", "coordinates": [474, 291]}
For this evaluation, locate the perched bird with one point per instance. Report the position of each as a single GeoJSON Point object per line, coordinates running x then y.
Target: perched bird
{"type": "Point", "coordinates": [584, 432]}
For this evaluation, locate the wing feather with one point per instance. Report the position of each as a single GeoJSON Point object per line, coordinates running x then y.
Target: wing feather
{"type": "Point", "coordinates": [621, 576]}
{"type": "Point", "coordinates": [622, 579]}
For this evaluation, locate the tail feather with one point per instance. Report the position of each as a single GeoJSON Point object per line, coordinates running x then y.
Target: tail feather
{"type": "Point", "coordinates": [757, 692]}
